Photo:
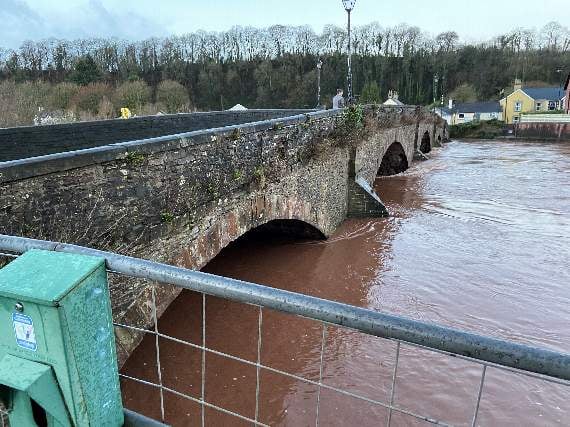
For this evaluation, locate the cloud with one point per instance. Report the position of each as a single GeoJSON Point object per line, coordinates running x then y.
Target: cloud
{"type": "Point", "coordinates": [58, 20]}
{"type": "Point", "coordinates": [129, 25]}
{"type": "Point", "coordinates": [18, 10]}
{"type": "Point", "coordinates": [19, 22]}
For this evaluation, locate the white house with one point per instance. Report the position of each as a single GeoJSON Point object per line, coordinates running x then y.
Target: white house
{"type": "Point", "coordinates": [476, 111]}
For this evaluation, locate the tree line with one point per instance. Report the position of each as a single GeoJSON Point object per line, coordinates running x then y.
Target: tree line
{"type": "Point", "coordinates": [275, 67]}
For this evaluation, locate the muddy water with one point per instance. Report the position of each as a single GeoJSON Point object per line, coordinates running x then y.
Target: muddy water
{"type": "Point", "coordinates": [479, 240]}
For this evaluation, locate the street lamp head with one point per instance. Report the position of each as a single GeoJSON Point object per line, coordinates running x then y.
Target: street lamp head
{"type": "Point", "coordinates": [348, 4]}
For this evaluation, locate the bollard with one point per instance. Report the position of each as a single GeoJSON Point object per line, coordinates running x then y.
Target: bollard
{"type": "Point", "coordinates": [58, 363]}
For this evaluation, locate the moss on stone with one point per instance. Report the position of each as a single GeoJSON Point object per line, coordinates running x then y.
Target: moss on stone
{"type": "Point", "coordinates": [135, 159]}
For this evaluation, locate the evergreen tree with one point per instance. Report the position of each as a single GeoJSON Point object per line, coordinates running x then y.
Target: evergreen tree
{"type": "Point", "coordinates": [370, 93]}
{"type": "Point", "coordinates": [86, 71]}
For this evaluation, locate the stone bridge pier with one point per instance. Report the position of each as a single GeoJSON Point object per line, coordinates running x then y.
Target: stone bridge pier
{"type": "Point", "coordinates": [182, 198]}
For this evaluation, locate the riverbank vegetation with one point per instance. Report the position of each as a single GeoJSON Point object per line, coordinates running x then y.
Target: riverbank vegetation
{"type": "Point", "coordinates": [273, 67]}
{"type": "Point", "coordinates": [478, 130]}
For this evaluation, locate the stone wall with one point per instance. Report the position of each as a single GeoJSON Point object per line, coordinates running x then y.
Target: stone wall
{"type": "Point", "coordinates": [31, 141]}
{"type": "Point", "coordinates": [543, 131]}
{"type": "Point", "coordinates": [178, 199]}
{"type": "Point", "coordinates": [181, 199]}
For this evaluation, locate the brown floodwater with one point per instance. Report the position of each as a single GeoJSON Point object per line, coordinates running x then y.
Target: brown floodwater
{"type": "Point", "coordinates": [479, 239]}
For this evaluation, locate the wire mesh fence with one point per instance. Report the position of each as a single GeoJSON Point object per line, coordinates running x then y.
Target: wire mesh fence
{"type": "Point", "coordinates": [333, 399]}
{"type": "Point", "coordinates": [200, 364]}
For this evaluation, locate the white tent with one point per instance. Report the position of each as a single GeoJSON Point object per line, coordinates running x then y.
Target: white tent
{"type": "Point", "coordinates": [238, 107]}
{"type": "Point", "coordinates": [393, 102]}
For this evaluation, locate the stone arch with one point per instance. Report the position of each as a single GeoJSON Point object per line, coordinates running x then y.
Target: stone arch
{"type": "Point", "coordinates": [275, 213]}
{"type": "Point", "coordinates": [394, 161]}
{"type": "Point", "coordinates": [286, 227]}
{"type": "Point", "coordinates": [425, 146]}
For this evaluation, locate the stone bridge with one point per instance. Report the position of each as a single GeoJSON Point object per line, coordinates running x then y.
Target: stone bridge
{"type": "Point", "coordinates": [181, 198]}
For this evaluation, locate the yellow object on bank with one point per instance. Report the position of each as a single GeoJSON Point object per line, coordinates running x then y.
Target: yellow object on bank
{"type": "Point", "coordinates": [125, 113]}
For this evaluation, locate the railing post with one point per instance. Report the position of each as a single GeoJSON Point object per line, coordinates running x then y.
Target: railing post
{"type": "Point", "coordinates": [58, 364]}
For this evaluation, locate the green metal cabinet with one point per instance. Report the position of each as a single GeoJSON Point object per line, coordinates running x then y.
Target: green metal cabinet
{"type": "Point", "coordinates": [58, 364]}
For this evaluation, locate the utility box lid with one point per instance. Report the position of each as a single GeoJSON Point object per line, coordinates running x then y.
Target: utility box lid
{"type": "Point", "coordinates": [45, 277]}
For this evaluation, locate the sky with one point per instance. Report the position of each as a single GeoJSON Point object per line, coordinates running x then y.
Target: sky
{"type": "Point", "coordinates": [136, 20]}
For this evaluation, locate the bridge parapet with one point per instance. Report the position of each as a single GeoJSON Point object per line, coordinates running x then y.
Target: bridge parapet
{"type": "Point", "coordinates": [32, 141]}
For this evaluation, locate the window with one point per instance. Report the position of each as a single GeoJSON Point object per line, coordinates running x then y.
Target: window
{"type": "Point", "coordinates": [538, 106]}
{"type": "Point", "coordinates": [461, 115]}
{"type": "Point", "coordinates": [518, 106]}
{"type": "Point", "coordinates": [516, 119]}
{"type": "Point", "coordinates": [551, 106]}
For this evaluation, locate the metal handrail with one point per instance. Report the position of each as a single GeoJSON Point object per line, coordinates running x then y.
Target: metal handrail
{"type": "Point", "coordinates": [486, 349]}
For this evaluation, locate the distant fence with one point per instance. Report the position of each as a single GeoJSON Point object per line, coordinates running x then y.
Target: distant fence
{"type": "Point", "coordinates": [545, 118]}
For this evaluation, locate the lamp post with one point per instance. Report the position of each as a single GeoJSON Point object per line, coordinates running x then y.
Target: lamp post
{"type": "Point", "coordinates": [561, 77]}
{"type": "Point", "coordinates": [319, 68]}
{"type": "Point", "coordinates": [435, 82]}
{"type": "Point", "coordinates": [349, 6]}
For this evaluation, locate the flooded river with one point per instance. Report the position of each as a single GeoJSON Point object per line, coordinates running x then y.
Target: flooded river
{"type": "Point", "coordinates": [479, 239]}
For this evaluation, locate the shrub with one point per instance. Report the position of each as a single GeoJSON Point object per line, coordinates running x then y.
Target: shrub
{"type": "Point", "coordinates": [30, 99]}
{"type": "Point", "coordinates": [353, 117]}
{"type": "Point", "coordinates": [132, 95]}
{"type": "Point", "coordinates": [8, 113]}
{"type": "Point", "coordinates": [370, 93]}
{"type": "Point", "coordinates": [149, 110]}
{"type": "Point", "coordinates": [88, 98]}
{"type": "Point", "coordinates": [478, 129]}
{"type": "Point", "coordinates": [172, 96]}
{"type": "Point", "coordinates": [61, 95]}
{"type": "Point", "coordinates": [106, 109]}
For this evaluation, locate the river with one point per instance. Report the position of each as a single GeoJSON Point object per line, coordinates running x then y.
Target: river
{"type": "Point", "coordinates": [479, 239]}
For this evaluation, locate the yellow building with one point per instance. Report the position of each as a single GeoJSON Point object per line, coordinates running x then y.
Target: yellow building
{"type": "Point", "coordinates": [530, 100]}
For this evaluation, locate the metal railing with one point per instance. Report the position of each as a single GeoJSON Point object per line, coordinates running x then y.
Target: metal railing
{"type": "Point", "coordinates": [403, 333]}
{"type": "Point", "coordinates": [558, 117]}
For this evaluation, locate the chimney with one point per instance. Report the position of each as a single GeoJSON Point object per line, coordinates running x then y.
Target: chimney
{"type": "Point", "coordinates": [451, 104]}
{"type": "Point", "coordinates": [518, 84]}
